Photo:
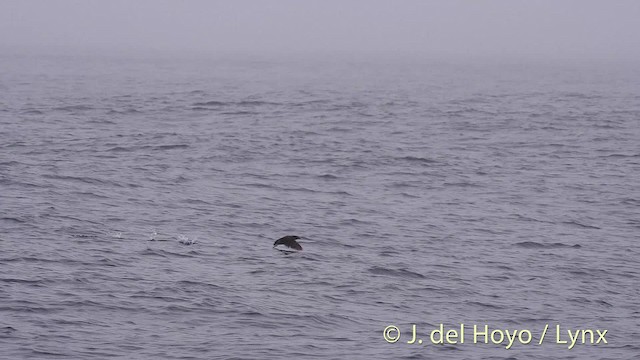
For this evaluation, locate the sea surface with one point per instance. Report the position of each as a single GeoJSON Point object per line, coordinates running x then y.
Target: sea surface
{"type": "Point", "coordinates": [140, 198]}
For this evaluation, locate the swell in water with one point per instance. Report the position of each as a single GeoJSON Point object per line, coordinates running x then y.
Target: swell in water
{"type": "Point", "coordinates": [138, 217]}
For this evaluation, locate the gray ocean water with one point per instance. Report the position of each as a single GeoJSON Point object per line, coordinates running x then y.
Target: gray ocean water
{"type": "Point", "coordinates": [140, 199]}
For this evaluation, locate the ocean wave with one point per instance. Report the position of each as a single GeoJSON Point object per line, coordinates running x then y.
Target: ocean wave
{"type": "Point", "coordinates": [537, 245]}
{"type": "Point", "coordinates": [147, 147]}
{"type": "Point", "coordinates": [73, 108]}
{"type": "Point", "coordinates": [417, 159]}
{"type": "Point", "coordinates": [580, 225]}
{"type": "Point", "coordinates": [403, 273]}
{"type": "Point", "coordinates": [246, 103]}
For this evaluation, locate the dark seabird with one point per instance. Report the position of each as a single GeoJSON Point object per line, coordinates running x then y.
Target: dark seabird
{"type": "Point", "coordinates": [289, 241]}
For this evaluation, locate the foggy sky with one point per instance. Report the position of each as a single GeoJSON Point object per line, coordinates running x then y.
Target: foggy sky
{"type": "Point", "coordinates": [533, 28]}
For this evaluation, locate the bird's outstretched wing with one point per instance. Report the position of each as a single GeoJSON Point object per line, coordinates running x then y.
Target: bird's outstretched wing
{"type": "Point", "coordinates": [288, 241]}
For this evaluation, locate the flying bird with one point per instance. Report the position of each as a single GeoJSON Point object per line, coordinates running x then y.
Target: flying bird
{"type": "Point", "coordinates": [289, 241]}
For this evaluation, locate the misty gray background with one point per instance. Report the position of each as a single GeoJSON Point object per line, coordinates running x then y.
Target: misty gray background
{"type": "Point", "coordinates": [151, 152]}
{"type": "Point", "coordinates": [530, 29]}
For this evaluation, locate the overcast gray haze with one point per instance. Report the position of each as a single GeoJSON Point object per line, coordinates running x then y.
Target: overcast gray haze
{"type": "Point", "coordinates": [539, 29]}
{"type": "Point", "coordinates": [453, 163]}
